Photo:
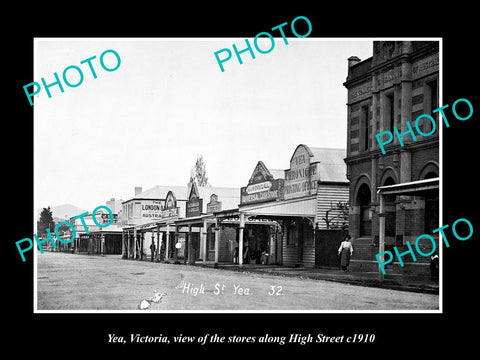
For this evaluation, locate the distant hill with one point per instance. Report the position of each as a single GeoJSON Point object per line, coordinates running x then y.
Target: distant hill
{"type": "Point", "coordinates": [64, 211]}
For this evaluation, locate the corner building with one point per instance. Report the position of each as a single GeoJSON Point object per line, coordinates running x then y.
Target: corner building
{"type": "Point", "coordinates": [394, 198]}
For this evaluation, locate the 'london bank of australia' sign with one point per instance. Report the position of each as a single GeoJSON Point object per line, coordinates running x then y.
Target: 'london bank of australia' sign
{"type": "Point", "coordinates": [261, 187]}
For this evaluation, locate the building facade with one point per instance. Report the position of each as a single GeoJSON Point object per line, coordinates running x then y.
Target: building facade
{"type": "Point", "coordinates": [396, 85]}
{"type": "Point", "coordinates": [300, 202]}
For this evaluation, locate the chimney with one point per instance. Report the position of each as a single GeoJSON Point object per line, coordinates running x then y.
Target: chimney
{"type": "Point", "coordinates": [353, 60]}
{"type": "Point", "coordinates": [138, 190]}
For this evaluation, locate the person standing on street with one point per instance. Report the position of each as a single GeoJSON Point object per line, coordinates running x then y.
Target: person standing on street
{"type": "Point", "coordinates": [152, 250]}
{"type": "Point", "coordinates": [345, 250]}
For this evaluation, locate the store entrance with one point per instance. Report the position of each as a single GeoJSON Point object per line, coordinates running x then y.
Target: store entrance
{"type": "Point", "coordinates": [255, 243]}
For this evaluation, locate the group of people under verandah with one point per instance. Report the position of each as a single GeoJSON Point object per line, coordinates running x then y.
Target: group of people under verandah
{"type": "Point", "coordinates": [259, 256]}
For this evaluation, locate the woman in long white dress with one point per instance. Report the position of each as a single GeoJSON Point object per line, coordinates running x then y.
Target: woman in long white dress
{"type": "Point", "coordinates": [346, 250]}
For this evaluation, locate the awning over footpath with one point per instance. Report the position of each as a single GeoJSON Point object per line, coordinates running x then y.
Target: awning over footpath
{"type": "Point", "coordinates": [300, 207]}
{"type": "Point", "coordinates": [409, 188]}
{"type": "Point", "coordinates": [110, 230]}
{"type": "Point", "coordinates": [413, 188]}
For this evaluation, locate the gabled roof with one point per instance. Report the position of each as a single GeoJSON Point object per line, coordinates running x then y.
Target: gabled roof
{"type": "Point", "coordinates": [331, 165]}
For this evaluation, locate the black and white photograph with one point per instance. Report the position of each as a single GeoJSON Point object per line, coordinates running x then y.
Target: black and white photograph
{"type": "Point", "coordinates": [232, 181]}
{"type": "Point", "coordinates": [222, 194]}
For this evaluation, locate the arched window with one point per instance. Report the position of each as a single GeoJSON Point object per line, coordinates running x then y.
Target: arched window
{"type": "Point", "coordinates": [363, 200]}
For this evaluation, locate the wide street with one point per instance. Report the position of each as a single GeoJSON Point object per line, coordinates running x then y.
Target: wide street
{"type": "Point", "coordinates": [85, 282]}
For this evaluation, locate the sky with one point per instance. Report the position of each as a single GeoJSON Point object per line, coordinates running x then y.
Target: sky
{"type": "Point", "coordinates": [145, 123]}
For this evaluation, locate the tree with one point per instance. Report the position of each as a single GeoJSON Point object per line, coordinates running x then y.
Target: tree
{"type": "Point", "coordinates": [46, 222]}
{"type": "Point", "coordinates": [198, 173]}
{"type": "Point", "coordinates": [337, 216]}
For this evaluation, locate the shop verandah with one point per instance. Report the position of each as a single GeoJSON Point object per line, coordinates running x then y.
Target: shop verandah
{"type": "Point", "coordinates": [211, 238]}
{"type": "Point", "coordinates": [282, 233]}
{"type": "Point", "coordinates": [181, 240]}
{"type": "Point", "coordinates": [425, 192]}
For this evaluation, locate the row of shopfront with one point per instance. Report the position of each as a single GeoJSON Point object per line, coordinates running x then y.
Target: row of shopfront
{"type": "Point", "coordinates": [293, 217]}
{"type": "Point", "coordinates": [298, 216]}
{"type": "Point", "coordinates": [274, 219]}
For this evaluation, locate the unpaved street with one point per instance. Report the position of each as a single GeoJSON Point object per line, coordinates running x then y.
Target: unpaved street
{"type": "Point", "coordinates": [84, 282]}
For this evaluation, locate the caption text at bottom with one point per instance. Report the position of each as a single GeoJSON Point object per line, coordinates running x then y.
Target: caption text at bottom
{"type": "Point", "coordinates": [301, 339]}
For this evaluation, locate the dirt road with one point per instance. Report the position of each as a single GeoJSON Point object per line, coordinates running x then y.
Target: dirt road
{"type": "Point", "coordinates": [83, 282]}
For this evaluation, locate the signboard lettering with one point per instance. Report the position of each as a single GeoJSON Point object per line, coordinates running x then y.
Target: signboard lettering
{"type": "Point", "coordinates": [301, 179]}
{"type": "Point", "coordinates": [214, 205]}
{"type": "Point", "coordinates": [151, 209]}
{"type": "Point", "coordinates": [262, 186]}
{"type": "Point", "coordinates": [425, 66]}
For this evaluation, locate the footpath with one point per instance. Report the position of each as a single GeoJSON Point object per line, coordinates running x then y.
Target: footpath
{"type": "Point", "coordinates": [413, 283]}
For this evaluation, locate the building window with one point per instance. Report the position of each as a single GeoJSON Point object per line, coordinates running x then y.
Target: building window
{"type": "Point", "coordinates": [136, 209]}
{"type": "Point", "coordinates": [366, 123]}
{"type": "Point", "coordinates": [363, 201]}
{"type": "Point", "coordinates": [389, 112]}
{"type": "Point", "coordinates": [431, 103]}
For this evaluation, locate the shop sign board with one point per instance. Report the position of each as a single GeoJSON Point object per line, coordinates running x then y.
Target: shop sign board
{"type": "Point", "coordinates": [194, 203]}
{"type": "Point", "coordinates": [302, 177]}
{"type": "Point", "coordinates": [151, 209]}
{"type": "Point", "coordinates": [214, 205]}
{"type": "Point", "coordinates": [262, 187]}
{"type": "Point", "coordinates": [170, 210]}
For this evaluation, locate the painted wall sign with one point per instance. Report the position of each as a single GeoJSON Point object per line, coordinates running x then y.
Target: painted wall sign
{"type": "Point", "coordinates": [170, 209]}
{"type": "Point", "coordinates": [194, 203]}
{"type": "Point", "coordinates": [261, 187]}
{"type": "Point", "coordinates": [214, 205]}
{"type": "Point", "coordinates": [301, 179]}
{"type": "Point", "coordinates": [168, 213]}
{"type": "Point", "coordinates": [151, 209]}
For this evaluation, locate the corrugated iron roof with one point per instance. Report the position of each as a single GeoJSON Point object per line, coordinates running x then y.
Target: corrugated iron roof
{"type": "Point", "coordinates": [229, 197]}
{"type": "Point", "coordinates": [160, 192]}
{"type": "Point", "coordinates": [277, 173]}
{"type": "Point", "coordinates": [331, 165]}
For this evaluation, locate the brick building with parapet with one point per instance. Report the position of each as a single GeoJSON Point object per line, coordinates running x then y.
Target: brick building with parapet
{"type": "Point", "coordinates": [394, 86]}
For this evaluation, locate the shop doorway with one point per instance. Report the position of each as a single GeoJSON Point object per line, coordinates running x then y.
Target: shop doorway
{"type": "Point", "coordinates": [257, 239]}
{"type": "Point", "coordinates": [195, 239]}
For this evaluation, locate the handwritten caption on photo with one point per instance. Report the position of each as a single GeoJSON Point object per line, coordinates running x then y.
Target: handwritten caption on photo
{"type": "Point", "coordinates": [220, 289]}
